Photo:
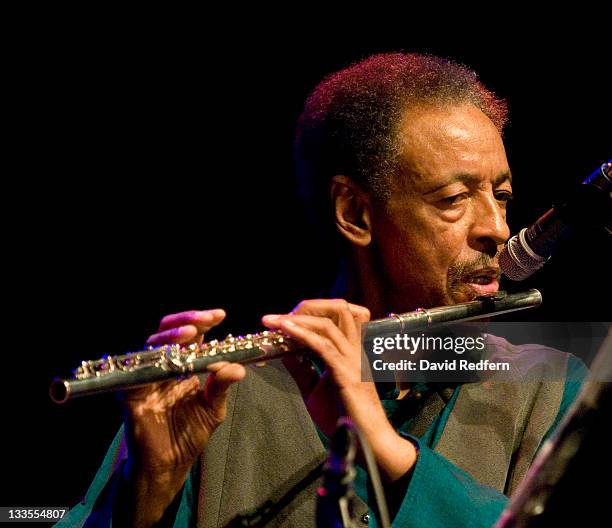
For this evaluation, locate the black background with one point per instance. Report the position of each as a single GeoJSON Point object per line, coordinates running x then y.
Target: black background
{"type": "Point", "coordinates": [152, 173]}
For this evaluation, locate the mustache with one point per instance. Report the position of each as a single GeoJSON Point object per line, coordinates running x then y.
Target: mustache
{"type": "Point", "coordinates": [483, 262]}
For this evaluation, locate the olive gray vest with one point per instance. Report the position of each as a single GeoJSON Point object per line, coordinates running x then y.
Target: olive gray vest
{"type": "Point", "coordinates": [268, 442]}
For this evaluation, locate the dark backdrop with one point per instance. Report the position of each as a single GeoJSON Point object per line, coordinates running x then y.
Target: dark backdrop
{"type": "Point", "coordinates": [153, 174]}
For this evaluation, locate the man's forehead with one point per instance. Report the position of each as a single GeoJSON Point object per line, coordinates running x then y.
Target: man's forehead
{"type": "Point", "coordinates": [431, 115]}
{"type": "Point", "coordinates": [441, 145]}
{"type": "Point", "coordinates": [454, 127]}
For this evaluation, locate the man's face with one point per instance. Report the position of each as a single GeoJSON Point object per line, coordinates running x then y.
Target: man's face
{"type": "Point", "coordinates": [445, 221]}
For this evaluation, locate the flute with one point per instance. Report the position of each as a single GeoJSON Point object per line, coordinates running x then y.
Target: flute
{"type": "Point", "coordinates": [134, 369]}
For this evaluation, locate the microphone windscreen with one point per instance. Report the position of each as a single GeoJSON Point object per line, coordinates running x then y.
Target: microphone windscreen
{"type": "Point", "coordinates": [517, 261]}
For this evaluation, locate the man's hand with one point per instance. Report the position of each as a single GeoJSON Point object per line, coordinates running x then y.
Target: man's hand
{"type": "Point", "coordinates": [169, 424]}
{"type": "Point", "coordinates": [332, 329]}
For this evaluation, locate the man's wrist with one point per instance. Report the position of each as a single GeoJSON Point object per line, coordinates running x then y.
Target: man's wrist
{"type": "Point", "coordinates": [394, 454]}
{"type": "Point", "coordinates": [148, 493]}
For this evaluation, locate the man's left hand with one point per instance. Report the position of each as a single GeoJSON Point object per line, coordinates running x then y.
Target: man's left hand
{"type": "Point", "coordinates": [331, 328]}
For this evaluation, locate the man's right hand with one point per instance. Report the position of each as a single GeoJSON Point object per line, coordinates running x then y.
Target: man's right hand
{"type": "Point", "coordinates": [169, 424]}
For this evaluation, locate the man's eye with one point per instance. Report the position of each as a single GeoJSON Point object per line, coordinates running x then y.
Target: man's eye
{"type": "Point", "coordinates": [504, 196]}
{"type": "Point", "coordinates": [454, 200]}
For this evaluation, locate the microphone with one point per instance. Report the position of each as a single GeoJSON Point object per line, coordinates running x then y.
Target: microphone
{"type": "Point", "coordinates": [590, 205]}
{"type": "Point", "coordinates": [335, 499]}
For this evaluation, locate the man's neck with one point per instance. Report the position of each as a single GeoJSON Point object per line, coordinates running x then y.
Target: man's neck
{"type": "Point", "coordinates": [364, 286]}
{"type": "Point", "coordinates": [360, 285]}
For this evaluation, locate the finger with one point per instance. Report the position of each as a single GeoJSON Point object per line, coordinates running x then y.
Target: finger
{"type": "Point", "coordinates": [360, 313]}
{"type": "Point", "coordinates": [319, 334]}
{"type": "Point", "coordinates": [203, 320]}
{"type": "Point", "coordinates": [347, 316]}
{"type": "Point", "coordinates": [325, 307]}
{"type": "Point", "coordinates": [179, 335]}
{"type": "Point", "coordinates": [323, 326]}
{"type": "Point", "coordinates": [224, 371]}
{"type": "Point", "coordinates": [223, 375]}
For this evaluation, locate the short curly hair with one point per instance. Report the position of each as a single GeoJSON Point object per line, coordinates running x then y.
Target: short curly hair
{"type": "Point", "coordinates": [351, 120]}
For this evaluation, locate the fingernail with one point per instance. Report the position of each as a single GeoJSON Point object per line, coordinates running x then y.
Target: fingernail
{"type": "Point", "coordinates": [270, 318]}
{"type": "Point", "coordinates": [288, 322]}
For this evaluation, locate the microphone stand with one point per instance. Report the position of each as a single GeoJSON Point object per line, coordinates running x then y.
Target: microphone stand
{"type": "Point", "coordinates": [336, 498]}
{"type": "Point", "coordinates": [561, 487]}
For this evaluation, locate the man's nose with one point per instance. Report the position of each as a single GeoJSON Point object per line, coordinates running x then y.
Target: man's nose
{"type": "Point", "coordinates": [489, 227]}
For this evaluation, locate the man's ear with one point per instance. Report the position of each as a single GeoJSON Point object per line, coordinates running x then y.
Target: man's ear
{"type": "Point", "coordinates": [352, 210]}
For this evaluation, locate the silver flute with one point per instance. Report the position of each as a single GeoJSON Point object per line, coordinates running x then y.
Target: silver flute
{"type": "Point", "coordinates": [115, 373]}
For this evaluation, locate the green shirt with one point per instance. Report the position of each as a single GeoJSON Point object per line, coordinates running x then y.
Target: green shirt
{"type": "Point", "coordinates": [439, 494]}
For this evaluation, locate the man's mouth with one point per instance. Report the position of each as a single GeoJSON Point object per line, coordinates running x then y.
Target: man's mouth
{"type": "Point", "coordinates": [482, 281]}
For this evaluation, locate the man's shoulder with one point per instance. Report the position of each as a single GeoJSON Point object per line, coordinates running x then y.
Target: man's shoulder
{"type": "Point", "coordinates": [535, 360]}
